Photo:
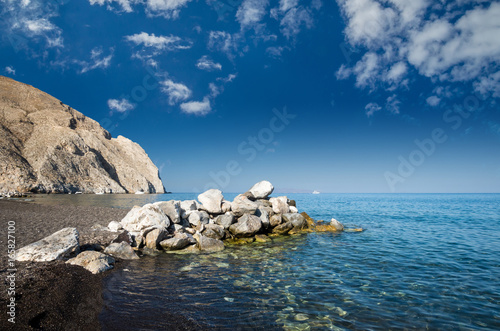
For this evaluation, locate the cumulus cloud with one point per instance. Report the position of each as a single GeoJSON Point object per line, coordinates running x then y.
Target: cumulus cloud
{"type": "Point", "coordinates": [293, 17]}
{"type": "Point", "coordinates": [10, 70]}
{"type": "Point", "coordinates": [205, 63]}
{"type": "Point", "coordinates": [176, 92]}
{"type": "Point", "coordinates": [392, 104]}
{"type": "Point", "coordinates": [452, 42]}
{"type": "Point", "coordinates": [197, 107]}
{"type": "Point", "coordinates": [125, 5]}
{"type": "Point", "coordinates": [433, 101]}
{"type": "Point", "coordinates": [97, 60]}
{"type": "Point", "coordinates": [158, 42]}
{"type": "Point", "coordinates": [121, 105]}
{"type": "Point", "coordinates": [251, 12]}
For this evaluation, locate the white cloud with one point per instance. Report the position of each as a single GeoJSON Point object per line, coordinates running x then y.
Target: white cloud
{"type": "Point", "coordinates": [392, 104]}
{"type": "Point", "coordinates": [456, 42]}
{"type": "Point", "coordinates": [165, 8]}
{"type": "Point", "coordinates": [371, 109]}
{"type": "Point", "coordinates": [293, 21]}
{"type": "Point", "coordinates": [32, 20]}
{"type": "Point", "coordinates": [177, 92]}
{"type": "Point", "coordinates": [223, 41]}
{"type": "Point", "coordinates": [205, 63]}
{"type": "Point", "coordinates": [10, 70]}
{"type": "Point", "coordinates": [197, 107]}
{"type": "Point", "coordinates": [126, 5]}
{"type": "Point", "coordinates": [433, 101]}
{"type": "Point", "coordinates": [121, 105]}
{"type": "Point", "coordinates": [158, 42]}
{"type": "Point", "coordinates": [227, 79]}
{"type": "Point", "coordinates": [251, 12]}
{"type": "Point", "coordinates": [97, 60]}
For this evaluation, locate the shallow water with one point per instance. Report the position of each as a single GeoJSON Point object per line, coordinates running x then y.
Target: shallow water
{"type": "Point", "coordinates": [425, 261]}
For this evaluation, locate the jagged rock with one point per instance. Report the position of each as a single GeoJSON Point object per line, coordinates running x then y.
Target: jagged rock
{"type": "Point", "coordinates": [225, 220]}
{"type": "Point", "coordinates": [177, 242]}
{"type": "Point", "coordinates": [242, 205]}
{"type": "Point", "coordinates": [292, 203]}
{"type": "Point", "coordinates": [212, 201]}
{"type": "Point", "coordinates": [337, 225]}
{"type": "Point", "coordinates": [309, 219]}
{"type": "Point", "coordinates": [283, 228]}
{"type": "Point", "coordinates": [275, 220]}
{"type": "Point", "coordinates": [122, 251]}
{"type": "Point", "coordinates": [247, 226]}
{"type": "Point", "coordinates": [114, 226]}
{"type": "Point", "coordinates": [197, 218]}
{"type": "Point", "coordinates": [93, 261]}
{"type": "Point", "coordinates": [262, 238]}
{"type": "Point", "coordinates": [293, 209]}
{"type": "Point", "coordinates": [280, 205]}
{"type": "Point", "coordinates": [172, 209]}
{"type": "Point", "coordinates": [54, 247]}
{"type": "Point", "coordinates": [262, 189]}
{"type": "Point", "coordinates": [208, 244]}
{"type": "Point", "coordinates": [214, 231]}
{"type": "Point", "coordinates": [263, 214]}
{"type": "Point", "coordinates": [187, 206]}
{"type": "Point", "coordinates": [226, 206]}
{"type": "Point", "coordinates": [154, 237]}
{"type": "Point", "coordinates": [264, 203]}
{"type": "Point", "coordinates": [298, 221]}
{"type": "Point", "coordinates": [248, 195]}
{"type": "Point", "coordinates": [46, 146]}
{"type": "Point", "coordinates": [140, 218]}
{"type": "Point", "coordinates": [125, 237]}
{"type": "Point", "coordinates": [150, 251]}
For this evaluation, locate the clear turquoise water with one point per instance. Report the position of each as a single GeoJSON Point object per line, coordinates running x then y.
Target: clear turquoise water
{"type": "Point", "coordinates": [425, 261]}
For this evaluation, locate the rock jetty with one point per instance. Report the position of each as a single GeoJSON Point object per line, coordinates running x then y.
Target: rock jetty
{"type": "Point", "coordinates": [49, 147]}
{"type": "Point", "coordinates": [207, 225]}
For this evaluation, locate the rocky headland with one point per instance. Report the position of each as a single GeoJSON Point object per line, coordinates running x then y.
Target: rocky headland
{"type": "Point", "coordinates": [49, 147]}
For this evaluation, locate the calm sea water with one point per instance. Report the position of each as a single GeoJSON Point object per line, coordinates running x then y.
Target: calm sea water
{"type": "Point", "coordinates": [425, 261]}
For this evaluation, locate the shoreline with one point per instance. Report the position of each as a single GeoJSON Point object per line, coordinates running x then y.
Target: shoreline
{"type": "Point", "coordinates": [56, 295]}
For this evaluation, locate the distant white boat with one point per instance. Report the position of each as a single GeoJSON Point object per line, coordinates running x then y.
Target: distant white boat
{"type": "Point", "coordinates": [100, 192]}
{"type": "Point", "coordinates": [315, 192]}
{"type": "Point", "coordinates": [78, 192]}
{"type": "Point", "coordinates": [139, 192]}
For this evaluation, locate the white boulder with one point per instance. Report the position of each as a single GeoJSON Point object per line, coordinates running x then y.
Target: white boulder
{"type": "Point", "coordinates": [262, 189]}
{"type": "Point", "coordinates": [54, 247]}
{"type": "Point", "coordinates": [93, 261]}
{"type": "Point", "coordinates": [141, 218]}
{"type": "Point", "coordinates": [212, 201]}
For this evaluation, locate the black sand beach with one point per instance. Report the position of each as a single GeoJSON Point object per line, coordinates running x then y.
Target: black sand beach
{"type": "Point", "coordinates": [54, 295]}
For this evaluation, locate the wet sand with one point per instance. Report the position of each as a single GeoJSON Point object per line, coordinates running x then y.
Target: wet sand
{"type": "Point", "coordinates": [54, 295]}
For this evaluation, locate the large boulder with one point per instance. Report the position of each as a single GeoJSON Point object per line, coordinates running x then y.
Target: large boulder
{"type": "Point", "coordinates": [263, 214]}
{"type": "Point", "coordinates": [121, 250]}
{"type": "Point", "coordinates": [177, 242]}
{"type": "Point", "coordinates": [225, 220]}
{"type": "Point", "coordinates": [172, 209]}
{"type": "Point", "coordinates": [212, 201]}
{"type": "Point", "coordinates": [214, 231]}
{"type": "Point", "coordinates": [93, 261]}
{"type": "Point", "coordinates": [57, 246]}
{"type": "Point", "coordinates": [298, 221]}
{"type": "Point", "coordinates": [154, 237]}
{"type": "Point", "coordinates": [247, 226]}
{"type": "Point", "coordinates": [197, 218]}
{"type": "Point", "coordinates": [208, 244]}
{"type": "Point", "coordinates": [140, 218]}
{"type": "Point", "coordinates": [280, 205]}
{"type": "Point", "coordinates": [262, 189]}
{"type": "Point", "coordinates": [187, 206]}
{"type": "Point", "coordinates": [336, 224]}
{"type": "Point", "coordinates": [242, 205]}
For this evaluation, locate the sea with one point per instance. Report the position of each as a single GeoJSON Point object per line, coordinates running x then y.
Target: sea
{"type": "Point", "coordinates": [423, 262]}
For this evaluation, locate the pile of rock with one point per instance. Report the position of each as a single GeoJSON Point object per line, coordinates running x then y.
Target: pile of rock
{"type": "Point", "coordinates": [190, 226]}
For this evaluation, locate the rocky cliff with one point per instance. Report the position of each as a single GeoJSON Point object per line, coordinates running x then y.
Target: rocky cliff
{"type": "Point", "coordinates": [46, 146]}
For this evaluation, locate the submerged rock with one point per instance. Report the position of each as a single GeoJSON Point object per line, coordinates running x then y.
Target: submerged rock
{"type": "Point", "coordinates": [122, 251]}
{"type": "Point", "coordinates": [54, 247]}
{"type": "Point", "coordinates": [208, 244]}
{"type": "Point", "coordinates": [262, 238]}
{"type": "Point", "coordinates": [283, 228]}
{"type": "Point", "coordinates": [262, 189]}
{"type": "Point", "coordinates": [93, 261]}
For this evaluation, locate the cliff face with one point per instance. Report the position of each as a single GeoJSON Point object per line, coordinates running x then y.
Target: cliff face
{"type": "Point", "coordinates": [46, 146]}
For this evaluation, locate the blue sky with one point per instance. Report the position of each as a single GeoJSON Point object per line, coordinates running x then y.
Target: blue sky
{"type": "Point", "coordinates": [335, 96]}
